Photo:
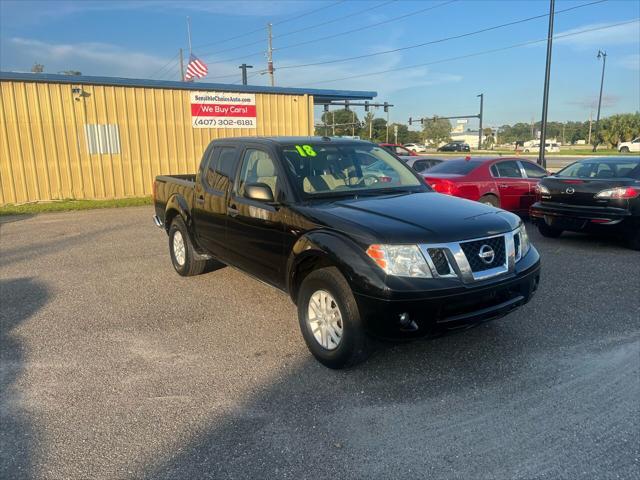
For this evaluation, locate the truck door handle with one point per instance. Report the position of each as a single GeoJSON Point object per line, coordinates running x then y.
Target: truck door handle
{"type": "Point", "coordinates": [233, 211]}
{"type": "Point", "coordinates": [200, 199]}
{"type": "Point", "coordinates": [503, 185]}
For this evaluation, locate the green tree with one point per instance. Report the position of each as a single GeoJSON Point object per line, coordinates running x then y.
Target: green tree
{"type": "Point", "coordinates": [619, 128]}
{"type": "Point", "coordinates": [489, 139]}
{"type": "Point", "coordinates": [367, 125]}
{"type": "Point", "coordinates": [437, 131]}
{"type": "Point", "coordinates": [379, 127]}
{"type": "Point", "coordinates": [343, 120]}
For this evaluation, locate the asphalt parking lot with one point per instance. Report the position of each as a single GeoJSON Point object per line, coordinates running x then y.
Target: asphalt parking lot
{"type": "Point", "coordinates": [113, 366]}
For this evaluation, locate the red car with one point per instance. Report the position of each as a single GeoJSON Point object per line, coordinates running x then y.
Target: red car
{"type": "Point", "coordinates": [508, 183]}
{"type": "Point", "coordinates": [398, 149]}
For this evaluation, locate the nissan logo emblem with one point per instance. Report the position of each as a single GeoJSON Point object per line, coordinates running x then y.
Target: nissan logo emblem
{"type": "Point", "coordinates": [486, 254]}
{"type": "Point", "coordinates": [570, 190]}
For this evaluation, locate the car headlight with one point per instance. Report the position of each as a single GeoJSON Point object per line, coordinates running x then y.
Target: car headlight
{"type": "Point", "coordinates": [400, 260]}
{"type": "Point", "coordinates": [525, 245]}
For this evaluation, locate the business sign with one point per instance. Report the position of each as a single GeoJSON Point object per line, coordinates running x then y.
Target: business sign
{"type": "Point", "coordinates": [223, 110]}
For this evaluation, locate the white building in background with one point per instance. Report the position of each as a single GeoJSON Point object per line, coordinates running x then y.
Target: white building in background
{"type": "Point", "coordinates": [468, 136]}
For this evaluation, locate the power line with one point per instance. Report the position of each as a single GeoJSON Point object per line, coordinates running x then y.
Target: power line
{"type": "Point", "coordinates": [476, 54]}
{"type": "Point", "coordinates": [157, 72]}
{"type": "Point", "coordinates": [261, 29]}
{"type": "Point", "coordinates": [389, 20]}
{"type": "Point", "coordinates": [440, 40]}
{"type": "Point", "coordinates": [305, 29]}
{"type": "Point", "coordinates": [338, 19]}
{"type": "Point", "coordinates": [249, 55]}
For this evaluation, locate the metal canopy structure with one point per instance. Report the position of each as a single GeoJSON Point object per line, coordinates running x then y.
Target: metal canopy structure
{"type": "Point", "coordinates": [320, 96]}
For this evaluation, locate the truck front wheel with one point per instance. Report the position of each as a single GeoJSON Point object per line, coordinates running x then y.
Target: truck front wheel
{"type": "Point", "coordinates": [182, 252]}
{"type": "Point", "coordinates": [330, 321]}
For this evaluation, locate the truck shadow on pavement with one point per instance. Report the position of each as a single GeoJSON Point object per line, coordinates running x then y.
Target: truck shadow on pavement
{"type": "Point", "coordinates": [20, 299]}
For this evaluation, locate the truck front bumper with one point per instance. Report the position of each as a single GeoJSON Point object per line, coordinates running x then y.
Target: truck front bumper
{"type": "Point", "coordinates": [411, 314]}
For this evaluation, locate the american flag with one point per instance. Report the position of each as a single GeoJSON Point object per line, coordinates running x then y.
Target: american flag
{"type": "Point", "coordinates": [196, 69]}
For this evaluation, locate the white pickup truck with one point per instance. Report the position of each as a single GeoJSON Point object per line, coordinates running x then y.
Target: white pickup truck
{"type": "Point", "coordinates": [632, 146]}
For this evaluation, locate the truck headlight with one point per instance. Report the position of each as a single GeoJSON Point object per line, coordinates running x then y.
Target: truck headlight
{"type": "Point", "coordinates": [524, 240]}
{"type": "Point", "coordinates": [400, 260]}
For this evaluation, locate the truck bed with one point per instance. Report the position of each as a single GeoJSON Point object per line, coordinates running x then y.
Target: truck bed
{"type": "Point", "coordinates": [167, 186]}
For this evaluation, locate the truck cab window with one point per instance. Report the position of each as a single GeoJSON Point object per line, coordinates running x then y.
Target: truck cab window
{"type": "Point", "coordinates": [220, 168]}
{"type": "Point", "coordinates": [257, 167]}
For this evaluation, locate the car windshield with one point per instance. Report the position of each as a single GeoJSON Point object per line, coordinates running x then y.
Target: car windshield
{"type": "Point", "coordinates": [321, 169]}
{"type": "Point", "coordinates": [461, 167]}
{"type": "Point", "coordinates": [599, 169]}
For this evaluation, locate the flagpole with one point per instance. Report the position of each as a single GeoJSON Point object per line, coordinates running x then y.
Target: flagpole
{"type": "Point", "coordinates": [189, 32]}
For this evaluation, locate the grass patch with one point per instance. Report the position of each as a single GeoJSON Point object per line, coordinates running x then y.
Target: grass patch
{"type": "Point", "coordinates": [69, 205]}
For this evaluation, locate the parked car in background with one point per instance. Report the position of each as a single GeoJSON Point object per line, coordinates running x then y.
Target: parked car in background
{"type": "Point", "coordinates": [397, 149]}
{"type": "Point", "coordinates": [632, 146]}
{"type": "Point", "coordinates": [355, 254]}
{"type": "Point", "coordinates": [421, 164]}
{"type": "Point", "coordinates": [591, 195]}
{"type": "Point", "coordinates": [455, 147]}
{"type": "Point", "coordinates": [508, 183]}
{"type": "Point", "coordinates": [549, 148]}
{"type": "Point", "coordinates": [415, 147]}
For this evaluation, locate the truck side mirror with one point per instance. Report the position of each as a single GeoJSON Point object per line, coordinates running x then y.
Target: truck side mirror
{"type": "Point", "coordinates": [258, 191]}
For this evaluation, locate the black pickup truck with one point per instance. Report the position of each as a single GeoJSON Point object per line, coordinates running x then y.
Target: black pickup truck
{"type": "Point", "coordinates": [361, 244]}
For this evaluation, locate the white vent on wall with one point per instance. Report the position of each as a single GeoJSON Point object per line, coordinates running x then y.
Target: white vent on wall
{"type": "Point", "coordinates": [102, 138]}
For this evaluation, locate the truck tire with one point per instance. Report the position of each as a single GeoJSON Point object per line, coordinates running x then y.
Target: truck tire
{"type": "Point", "coordinates": [624, 150]}
{"type": "Point", "coordinates": [330, 321]}
{"type": "Point", "coordinates": [182, 252]}
{"type": "Point", "coordinates": [490, 200]}
{"type": "Point", "coordinates": [547, 231]}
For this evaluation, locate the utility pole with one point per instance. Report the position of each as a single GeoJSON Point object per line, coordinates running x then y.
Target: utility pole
{"type": "Point", "coordinates": [480, 116]}
{"type": "Point", "coordinates": [387, 137]}
{"type": "Point", "coordinates": [333, 123]}
{"type": "Point", "coordinates": [353, 124]}
{"type": "Point", "coordinates": [270, 54]}
{"type": "Point", "coordinates": [244, 67]}
{"type": "Point", "coordinates": [181, 66]}
{"type": "Point", "coordinates": [602, 55]}
{"type": "Point", "coordinates": [371, 129]}
{"type": "Point", "coordinates": [545, 100]}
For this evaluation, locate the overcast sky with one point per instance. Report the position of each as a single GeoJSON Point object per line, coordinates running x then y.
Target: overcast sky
{"type": "Point", "coordinates": [140, 39]}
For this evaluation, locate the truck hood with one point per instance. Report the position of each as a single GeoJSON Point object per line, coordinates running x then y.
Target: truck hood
{"type": "Point", "coordinates": [426, 217]}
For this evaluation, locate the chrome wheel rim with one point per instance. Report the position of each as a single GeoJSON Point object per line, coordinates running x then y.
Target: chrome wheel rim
{"type": "Point", "coordinates": [178, 248]}
{"type": "Point", "coordinates": [325, 319]}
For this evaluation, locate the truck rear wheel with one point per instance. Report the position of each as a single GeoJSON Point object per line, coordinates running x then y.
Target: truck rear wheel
{"type": "Point", "coordinates": [330, 321]}
{"type": "Point", "coordinates": [181, 249]}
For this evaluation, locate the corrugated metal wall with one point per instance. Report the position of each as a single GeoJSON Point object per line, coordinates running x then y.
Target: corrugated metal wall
{"type": "Point", "coordinates": [44, 153]}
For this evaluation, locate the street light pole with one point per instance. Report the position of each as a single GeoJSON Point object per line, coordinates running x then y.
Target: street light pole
{"type": "Point", "coordinates": [545, 100]}
{"type": "Point", "coordinates": [480, 116]}
{"type": "Point", "coordinates": [602, 55]}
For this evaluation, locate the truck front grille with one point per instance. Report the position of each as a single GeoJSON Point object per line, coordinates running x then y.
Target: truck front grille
{"type": "Point", "coordinates": [440, 261]}
{"type": "Point", "coordinates": [475, 250]}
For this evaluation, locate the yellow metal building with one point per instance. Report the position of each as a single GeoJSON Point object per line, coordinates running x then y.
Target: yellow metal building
{"type": "Point", "coordinates": [104, 138]}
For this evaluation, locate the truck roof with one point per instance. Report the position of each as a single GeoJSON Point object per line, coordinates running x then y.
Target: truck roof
{"type": "Point", "coordinates": [291, 140]}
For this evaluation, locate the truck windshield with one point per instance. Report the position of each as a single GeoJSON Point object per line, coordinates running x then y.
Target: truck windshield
{"type": "Point", "coordinates": [320, 169]}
